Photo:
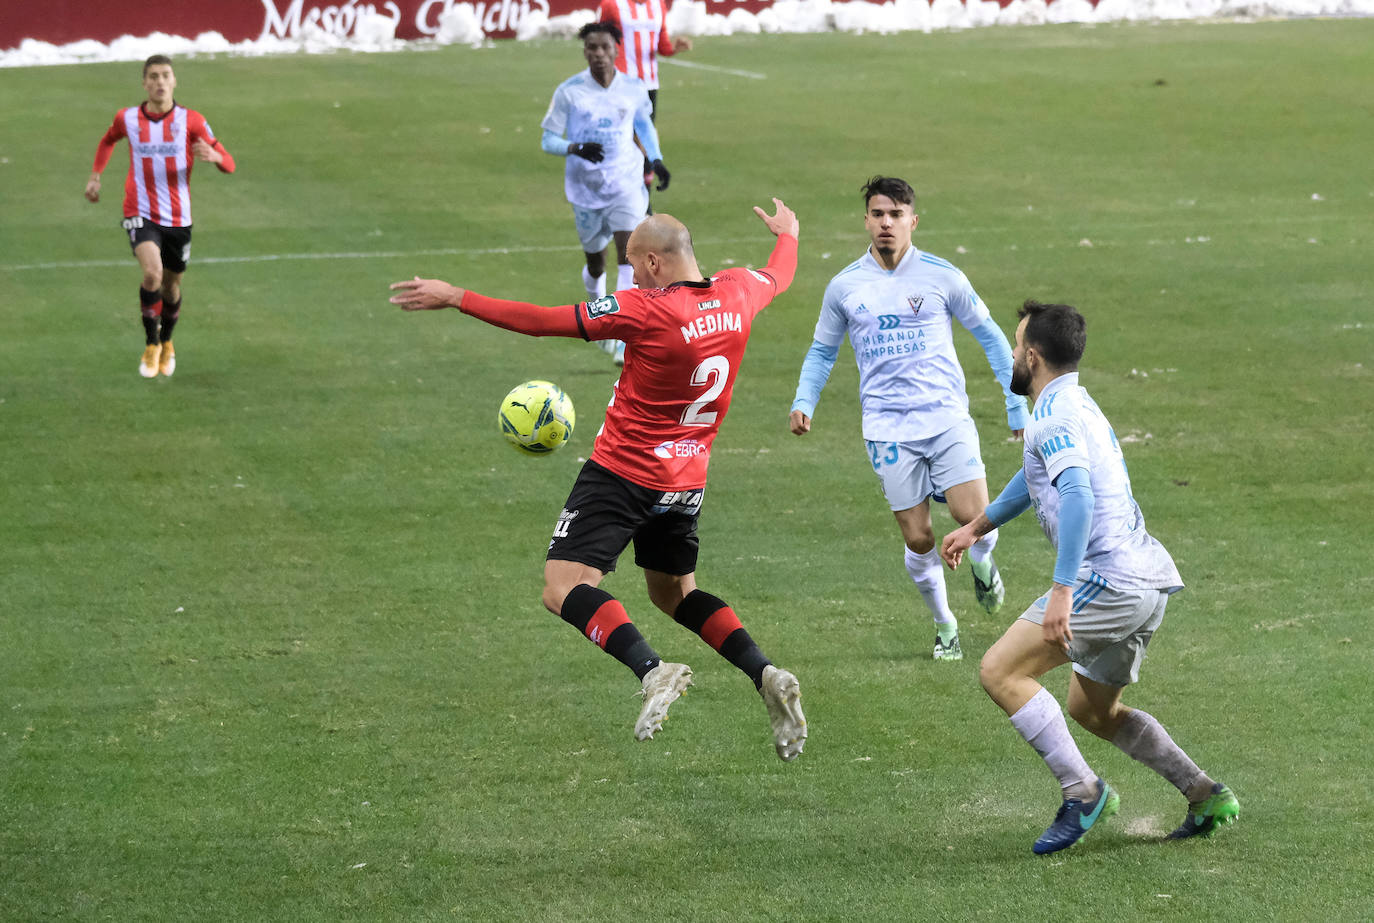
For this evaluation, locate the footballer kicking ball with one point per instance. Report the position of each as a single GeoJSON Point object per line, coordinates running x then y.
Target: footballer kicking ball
{"type": "Point", "coordinates": [537, 417]}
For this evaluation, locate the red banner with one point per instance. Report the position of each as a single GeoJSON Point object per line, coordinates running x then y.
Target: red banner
{"type": "Point", "coordinates": [62, 21]}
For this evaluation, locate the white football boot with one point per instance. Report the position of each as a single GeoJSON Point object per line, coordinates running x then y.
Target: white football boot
{"type": "Point", "coordinates": [662, 685]}
{"type": "Point", "coordinates": [782, 694]}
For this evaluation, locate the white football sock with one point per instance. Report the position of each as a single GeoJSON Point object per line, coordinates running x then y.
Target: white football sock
{"type": "Point", "coordinates": [1144, 739]}
{"type": "Point", "coordinates": [1041, 722]}
{"type": "Point", "coordinates": [981, 550]}
{"type": "Point", "coordinates": [625, 278]}
{"type": "Point", "coordinates": [928, 574]}
{"type": "Point", "coordinates": [595, 287]}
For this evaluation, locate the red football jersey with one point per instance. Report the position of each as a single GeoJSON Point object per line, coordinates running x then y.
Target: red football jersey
{"type": "Point", "coordinates": [683, 348]}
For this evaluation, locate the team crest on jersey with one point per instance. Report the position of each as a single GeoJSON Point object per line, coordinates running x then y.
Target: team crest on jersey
{"type": "Point", "coordinates": [602, 306]}
{"type": "Point", "coordinates": [915, 301]}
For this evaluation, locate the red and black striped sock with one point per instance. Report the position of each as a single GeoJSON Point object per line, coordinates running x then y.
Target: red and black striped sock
{"type": "Point", "coordinates": [151, 306]}
{"type": "Point", "coordinates": [171, 310]}
{"type": "Point", "coordinates": [719, 627]}
{"type": "Point", "coordinates": [601, 617]}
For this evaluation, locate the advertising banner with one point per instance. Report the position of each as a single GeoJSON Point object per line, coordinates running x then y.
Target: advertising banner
{"type": "Point", "coordinates": [60, 22]}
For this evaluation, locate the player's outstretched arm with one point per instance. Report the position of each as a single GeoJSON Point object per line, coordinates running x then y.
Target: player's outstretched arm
{"type": "Point", "coordinates": [1011, 502]}
{"type": "Point", "coordinates": [782, 262]}
{"type": "Point", "coordinates": [425, 294]}
{"type": "Point", "coordinates": [961, 539]}
{"type": "Point", "coordinates": [520, 316]}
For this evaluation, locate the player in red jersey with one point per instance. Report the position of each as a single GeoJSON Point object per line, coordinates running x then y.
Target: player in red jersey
{"type": "Point", "coordinates": [685, 336]}
{"type": "Point", "coordinates": [164, 142]}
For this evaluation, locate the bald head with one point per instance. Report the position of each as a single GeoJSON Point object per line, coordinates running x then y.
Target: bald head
{"type": "Point", "coordinates": [660, 249]}
{"type": "Point", "coordinates": [664, 235]}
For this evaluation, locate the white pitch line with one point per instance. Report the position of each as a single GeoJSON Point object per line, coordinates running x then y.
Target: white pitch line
{"type": "Point", "coordinates": [346, 255]}
{"type": "Point", "coordinates": [856, 237]}
{"type": "Point", "coordinates": [752, 75]}
{"type": "Point", "coordinates": [283, 257]}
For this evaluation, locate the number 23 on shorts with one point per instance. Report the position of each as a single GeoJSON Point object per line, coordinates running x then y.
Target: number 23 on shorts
{"type": "Point", "coordinates": [882, 453]}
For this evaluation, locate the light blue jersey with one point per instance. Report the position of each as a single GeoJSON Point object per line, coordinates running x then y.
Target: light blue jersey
{"type": "Point", "coordinates": [1067, 430]}
{"type": "Point", "coordinates": [582, 111]}
{"type": "Point", "coordinates": [911, 385]}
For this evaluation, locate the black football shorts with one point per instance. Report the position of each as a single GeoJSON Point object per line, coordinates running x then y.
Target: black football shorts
{"type": "Point", "coordinates": [175, 243]}
{"type": "Point", "coordinates": [605, 512]}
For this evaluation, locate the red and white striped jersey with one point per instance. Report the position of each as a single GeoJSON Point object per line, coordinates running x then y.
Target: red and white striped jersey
{"type": "Point", "coordinates": [158, 187]}
{"type": "Point", "coordinates": [646, 36]}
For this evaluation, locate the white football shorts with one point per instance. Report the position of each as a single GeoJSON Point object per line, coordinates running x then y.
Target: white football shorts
{"type": "Point", "coordinates": [911, 471]}
{"type": "Point", "coordinates": [1111, 628]}
{"type": "Point", "coordinates": [595, 226]}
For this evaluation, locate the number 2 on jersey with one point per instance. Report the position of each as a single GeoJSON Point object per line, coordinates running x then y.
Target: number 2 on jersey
{"type": "Point", "coordinates": [713, 371]}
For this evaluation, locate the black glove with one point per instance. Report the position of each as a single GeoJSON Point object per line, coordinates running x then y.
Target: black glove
{"type": "Point", "coordinates": [590, 151]}
{"type": "Point", "coordinates": [662, 173]}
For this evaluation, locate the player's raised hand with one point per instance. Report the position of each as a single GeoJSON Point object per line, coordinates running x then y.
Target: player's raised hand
{"type": "Point", "coordinates": [783, 221]}
{"type": "Point", "coordinates": [425, 294]}
{"type": "Point", "coordinates": [93, 189]}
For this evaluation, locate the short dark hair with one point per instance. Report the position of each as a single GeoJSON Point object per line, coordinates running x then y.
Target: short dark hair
{"type": "Point", "coordinates": [156, 59]}
{"type": "Point", "coordinates": [1057, 331]}
{"type": "Point", "coordinates": [609, 28]}
{"type": "Point", "coordinates": [898, 190]}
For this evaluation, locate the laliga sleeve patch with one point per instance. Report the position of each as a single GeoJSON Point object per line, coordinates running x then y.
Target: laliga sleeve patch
{"type": "Point", "coordinates": [602, 306]}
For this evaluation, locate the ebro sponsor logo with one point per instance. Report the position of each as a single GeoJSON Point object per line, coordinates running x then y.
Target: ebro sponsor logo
{"type": "Point", "coordinates": [686, 448]}
{"type": "Point", "coordinates": [162, 149]}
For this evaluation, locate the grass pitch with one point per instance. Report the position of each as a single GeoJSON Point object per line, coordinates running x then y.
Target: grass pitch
{"type": "Point", "coordinates": [274, 645]}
